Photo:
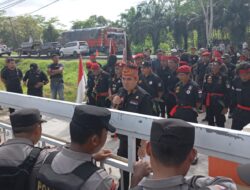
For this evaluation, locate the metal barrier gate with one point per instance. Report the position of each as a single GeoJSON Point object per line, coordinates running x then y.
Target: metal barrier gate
{"type": "Point", "coordinates": [213, 141]}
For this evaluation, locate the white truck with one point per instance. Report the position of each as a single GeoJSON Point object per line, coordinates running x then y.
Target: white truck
{"type": "Point", "coordinates": [4, 50]}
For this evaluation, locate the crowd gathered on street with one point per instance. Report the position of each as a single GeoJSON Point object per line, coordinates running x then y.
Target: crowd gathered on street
{"type": "Point", "coordinates": [176, 86]}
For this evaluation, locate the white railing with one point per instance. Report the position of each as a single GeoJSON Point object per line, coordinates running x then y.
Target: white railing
{"type": "Point", "coordinates": [219, 142]}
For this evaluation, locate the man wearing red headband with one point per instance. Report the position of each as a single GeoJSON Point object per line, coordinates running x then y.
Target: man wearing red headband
{"type": "Point", "coordinates": [241, 97]}
{"type": "Point", "coordinates": [131, 98]}
{"type": "Point", "coordinates": [188, 96]}
{"type": "Point", "coordinates": [101, 85]}
{"type": "Point", "coordinates": [90, 84]}
{"type": "Point", "coordinates": [216, 91]}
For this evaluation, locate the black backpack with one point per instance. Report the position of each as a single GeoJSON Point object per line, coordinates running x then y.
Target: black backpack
{"type": "Point", "coordinates": [17, 177]}
{"type": "Point", "coordinates": [48, 179]}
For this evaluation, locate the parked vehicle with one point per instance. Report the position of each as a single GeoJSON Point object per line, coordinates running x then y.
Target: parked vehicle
{"type": "Point", "coordinates": [98, 38]}
{"type": "Point", "coordinates": [4, 50]}
{"type": "Point", "coordinates": [49, 49]}
{"type": "Point", "coordinates": [74, 48]}
{"type": "Point", "coordinates": [29, 48]}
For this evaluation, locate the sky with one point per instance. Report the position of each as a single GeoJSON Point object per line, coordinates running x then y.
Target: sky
{"type": "Point", "coordinates": [71, 10]}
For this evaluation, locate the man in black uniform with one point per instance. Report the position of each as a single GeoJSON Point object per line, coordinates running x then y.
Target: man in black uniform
{"type": "Point", "coordinates": [163, 72]}
{"type": "Point", "coordinates": [193, 57]}
{"type": "Point", "coordinates": [240, 97]}
{"type": "Point", "coordinates": [131, 98]}
{"type": "Point", "coordinates": [171, 82]}
{"type": "Point", "coordinates": [101, 86]}
{"type": "Point", "coordinates": [150, 82]}
{"type": "Point", "coordinates": [110, 66]}
{"type": "Point", "coordinates": [216, 93]}
{"type": "Point", "coordinates": [188, 96]}
{"type": "Point", "coordinates": [90, 84]}
{"type": "Point", "coordinates": [35, 79]}
{"type": "Point", "coordinates": [156, 64]}
{"type": "Point", "coordinates": [12, 77]}
{"type": "Point", "coordinates": [116, 81]}
{"type": "Point", "coordinates": [202, 66]}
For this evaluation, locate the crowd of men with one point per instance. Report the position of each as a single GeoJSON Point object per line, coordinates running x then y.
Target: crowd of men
{"type": "Point", "coordinates": [178, 86]}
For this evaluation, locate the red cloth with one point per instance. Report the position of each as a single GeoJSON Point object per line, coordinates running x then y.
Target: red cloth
{"type": "Point", "coordinates": [173, 58]}
{"type": "Point", "coordinates": [206, 53]}
{"type": "Point", "coordinates": [95, 66]}
{"type": "Point", "coordinates": [244, 71]}
{"type": "Point", "coordinates": [209, 95]}
{"type": "Point", "coordinates": [174, 109]}
{"type": "Point", "coordinates": [139, 55]}
{"type": "Point", "coordinates": [246, 108]}
{"type": "Point", "coordinates": [183, 63]}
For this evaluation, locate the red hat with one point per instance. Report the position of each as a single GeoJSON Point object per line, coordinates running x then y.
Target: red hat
{"type": "Point", "coordinates": [206, 53]}
{"type": "Point", "coordinates": [218, 60]}
{"type": "Point", "coordinates": [217, 54]}
{"type": "Point", "coordinates": [184, 69]}
{"type": "Point", "coordinates": [183, 63]}
{"type": "Point", "coordinates": [173, 58]}
{"type": "Point", "coordinates": [120, 64]}
{"type": "Point", "coordinates": [88, 65]}
{"type": "Point", "coordinates": [139, 55]}
{"type": "Point", "coordinates": [95, 66]}
{"type": "Point", "coordinates": [243, 58]}
{"type": "Point", "coordinates": [244, 71]}
{"type": "Point", "coordinates": [164, 58]}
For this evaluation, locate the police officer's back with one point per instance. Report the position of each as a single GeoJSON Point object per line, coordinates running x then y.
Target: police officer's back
{"type": "Point", "coordinates": [20, 151]}
{"type": "Point", "coordinates": [171, 153]}
{"type": "Point", "coordinates": [35, 79]}
{"type": "Point", "coordinates": [73, 167]}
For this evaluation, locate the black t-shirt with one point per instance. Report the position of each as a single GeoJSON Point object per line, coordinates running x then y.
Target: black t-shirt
{"type": "Point", "coordinates": [56, 66]}
{"type": "Point", "coordinates": [34, 77]}
{"type": "Point", "coordinates": [13, 79]}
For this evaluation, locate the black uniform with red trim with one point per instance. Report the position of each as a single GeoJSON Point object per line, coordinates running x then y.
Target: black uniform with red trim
{"type": "Point", "coordinates": [101, 86]}
{"type": "Point", "coordinates": [241, 102]}
{"type": "Point", "coordinates": [187, 97]}
{"type": "Point", "coordinates": [115, 84]}
{"type": "Point", "coordinates": [216, 97]}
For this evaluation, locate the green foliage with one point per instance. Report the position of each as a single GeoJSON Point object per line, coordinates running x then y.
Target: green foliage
{"type": "Point", "coordinates": [50, 34]}
{"type": "Point", "coordinates": [92, 21]}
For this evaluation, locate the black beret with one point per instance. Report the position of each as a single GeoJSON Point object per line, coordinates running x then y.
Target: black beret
{"type": "Point", "coordinates": [172, 132]}
{"type": "Point", "coordinates": [24, 119]}
{"type": "Point", "coordinates": [91, 117]}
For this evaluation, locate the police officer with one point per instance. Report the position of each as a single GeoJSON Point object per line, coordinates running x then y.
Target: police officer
{"type": "Point", "coordinates": [26, 127]}
{"type": "Point", "coordinates": [216, 92]}
{"type": "Point", "coordinates": [131, 98]}
{"type": "Point", "coordinates": [101, 86]}
{"type": "Point", "coordinates": [188, 96]}
{"type": "Point", "coordinates": [35, 79]}
{"type": "Point", "coordinates": [240, 97]}
{"type": "Point", "coordinates": [55, 71]}
{"type": "Point", "coordinates": [12, 77]}
{"type": "Point", "coordinates": [150, 82]}
{"type": "Point", "coordinates": [171, 153]}
{"type": "Point", "coordinates": [73, 167]}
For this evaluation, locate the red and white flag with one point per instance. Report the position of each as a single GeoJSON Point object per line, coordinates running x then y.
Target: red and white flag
{"type": "Point", "coordinates": [82, 82]}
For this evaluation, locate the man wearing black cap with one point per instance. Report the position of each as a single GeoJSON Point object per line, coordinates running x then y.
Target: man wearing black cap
{"type": "Point", "coordinates": [171, 154]}
{"type": "Point", "coordinates": [26, 127]}
{"type": "Point", "coordinates": [35, 79]}
{"type": "Point", "coordinates": [73, 167]}
{"type": "Point", "coordinates": [150, 82]}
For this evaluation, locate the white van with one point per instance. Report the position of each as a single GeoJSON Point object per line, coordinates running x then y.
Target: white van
{"type": "Point", "coordinates": [74, 48]}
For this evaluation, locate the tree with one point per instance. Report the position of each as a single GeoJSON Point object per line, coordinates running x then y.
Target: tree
{"type": "Point", "coordinates": [92, 21]}
{"type": "Point", "coordinates": [50, 34]}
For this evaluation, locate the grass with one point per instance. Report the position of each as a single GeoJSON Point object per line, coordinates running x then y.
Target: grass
{"type": "Point", "coordinates": [70, 74]}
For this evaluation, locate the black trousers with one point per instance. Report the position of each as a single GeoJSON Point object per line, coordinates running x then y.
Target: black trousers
{"type": "Point", "coordinates": [215, 117]}
{"type": "Point", "coordinates": [186, 114]}
{"type": "Point", "coordinates": [170, 103]}
{"type": "Point", "coordinates": [240, 119]}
